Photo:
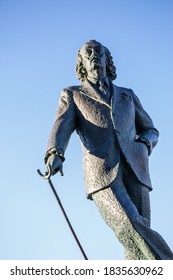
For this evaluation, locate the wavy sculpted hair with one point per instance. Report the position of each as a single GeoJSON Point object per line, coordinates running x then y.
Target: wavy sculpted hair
{"type": "Point", "coordinates": [110, 67]}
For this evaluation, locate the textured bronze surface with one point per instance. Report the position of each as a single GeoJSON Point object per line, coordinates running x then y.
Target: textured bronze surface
{"type": "Point", "coordinates": [117, 137]}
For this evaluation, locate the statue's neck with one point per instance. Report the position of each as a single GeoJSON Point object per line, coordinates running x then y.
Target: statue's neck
{"type": "Point", "coordinates": [96, 80]}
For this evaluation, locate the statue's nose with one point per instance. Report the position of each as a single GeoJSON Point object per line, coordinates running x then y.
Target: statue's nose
{"type": "Point", "coordinates": [94, 54]}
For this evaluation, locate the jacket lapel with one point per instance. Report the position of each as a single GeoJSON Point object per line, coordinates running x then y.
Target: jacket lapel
{"type": "Point", "coordinates": [91, 92]}
{"type": "Point", "coordinates": [114, 101]}
{"type": "Point", "coordinates": [115, 96]}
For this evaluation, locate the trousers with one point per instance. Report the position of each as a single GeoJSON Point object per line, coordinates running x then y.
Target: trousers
{"type": "Point", "coordinates": [125, 207]}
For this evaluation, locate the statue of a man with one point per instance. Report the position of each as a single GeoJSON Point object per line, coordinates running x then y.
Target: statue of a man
{"type": "Point", "coordinates": [117, 136]}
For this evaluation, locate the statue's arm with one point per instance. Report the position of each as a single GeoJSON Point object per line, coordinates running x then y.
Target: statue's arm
{"type": "Point", "coordinates": [146, 132]}
{"type": "Point", "coordinates": [64, 125]}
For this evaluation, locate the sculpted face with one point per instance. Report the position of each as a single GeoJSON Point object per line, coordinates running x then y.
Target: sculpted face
{"type": "Point", "coordinates": [94, 60]}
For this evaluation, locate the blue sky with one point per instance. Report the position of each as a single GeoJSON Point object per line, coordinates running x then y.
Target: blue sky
{"type": "Point", "coordinates": [39, 44]}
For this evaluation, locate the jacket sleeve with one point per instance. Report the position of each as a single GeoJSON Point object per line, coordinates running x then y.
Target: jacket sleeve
{"type": "Point", "coordinates": [146, 132]}
{"type": "Point", "coordinates": [65, 122]}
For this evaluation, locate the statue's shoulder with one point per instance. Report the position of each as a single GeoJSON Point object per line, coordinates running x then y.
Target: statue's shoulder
{"type": "Point", "coordinates": [123, 90]}
{"type": "Point", "coordinates": [128, 91]}
{"type": "Point", "coordinates": [71, 89]}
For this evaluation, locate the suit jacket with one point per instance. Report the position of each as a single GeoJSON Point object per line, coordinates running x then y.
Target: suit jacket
{"type": "Point", "coordinates": [106, 130]}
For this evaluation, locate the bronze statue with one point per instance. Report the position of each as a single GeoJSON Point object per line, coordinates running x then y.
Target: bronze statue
{"type": "Point", "coordinates": [117, 137]}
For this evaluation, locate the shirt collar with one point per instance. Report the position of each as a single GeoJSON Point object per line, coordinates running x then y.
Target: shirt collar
{"type": "Point", "coordinates": [105, 82]}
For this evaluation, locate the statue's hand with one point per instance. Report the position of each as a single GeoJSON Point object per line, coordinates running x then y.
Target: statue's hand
{"type": "Point", "coordinates": [146, 142]}
{"type": "Point", "coordinates": [55, 163]}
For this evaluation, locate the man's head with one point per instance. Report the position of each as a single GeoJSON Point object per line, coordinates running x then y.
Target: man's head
{"type": "Point", "coordinates": [94, 61]}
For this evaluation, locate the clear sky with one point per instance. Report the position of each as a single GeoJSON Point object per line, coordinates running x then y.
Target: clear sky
{"type": "Point", "coordinates": [39, 43]}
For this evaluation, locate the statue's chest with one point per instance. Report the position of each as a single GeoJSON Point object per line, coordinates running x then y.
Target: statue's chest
{"type": "Point", "coordinates": [93, 111]}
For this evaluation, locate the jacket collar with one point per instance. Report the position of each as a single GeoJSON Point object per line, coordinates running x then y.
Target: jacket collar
{"type": "Point", "coordinates": [88, 89]}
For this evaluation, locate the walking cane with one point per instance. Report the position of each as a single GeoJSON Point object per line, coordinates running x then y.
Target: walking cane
{"type": "Point", "coordinates": [47, 177]}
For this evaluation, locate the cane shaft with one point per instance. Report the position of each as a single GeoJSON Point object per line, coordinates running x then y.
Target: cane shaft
{"type": "Point", "coordinates": [67, 219]}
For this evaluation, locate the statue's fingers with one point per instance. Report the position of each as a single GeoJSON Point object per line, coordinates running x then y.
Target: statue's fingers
{"type": "Point", "coordinates": [61, 171]}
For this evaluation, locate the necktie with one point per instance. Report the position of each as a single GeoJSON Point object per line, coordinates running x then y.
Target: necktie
{"type": "Point", "coordinates": [102, 87]}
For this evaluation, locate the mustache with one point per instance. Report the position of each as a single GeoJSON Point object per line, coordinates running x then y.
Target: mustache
{"type": "Point", "coordinates": [97, 67]}
{"type": "Point", "coordinates": [95, 59]}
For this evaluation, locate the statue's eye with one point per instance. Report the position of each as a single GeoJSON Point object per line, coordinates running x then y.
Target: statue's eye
{"type": "Point", "coordinates": [98, 50]}
{"type": "Point", "coordinates": [88, 52]}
